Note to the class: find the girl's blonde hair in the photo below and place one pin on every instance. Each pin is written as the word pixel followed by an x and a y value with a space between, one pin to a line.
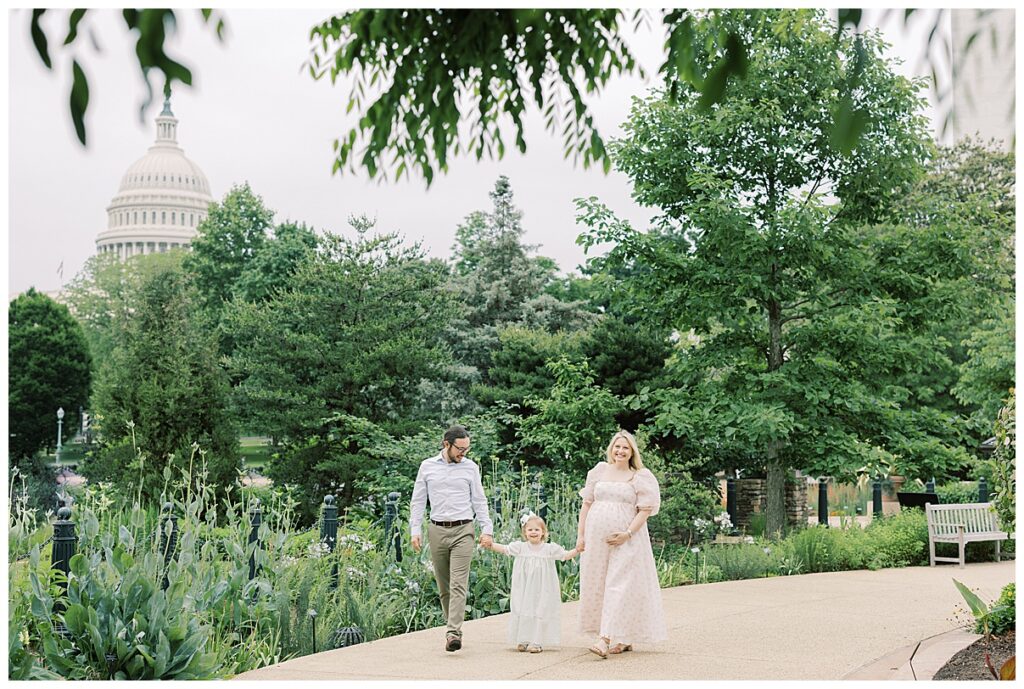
pixel 635 462
pixel 543 525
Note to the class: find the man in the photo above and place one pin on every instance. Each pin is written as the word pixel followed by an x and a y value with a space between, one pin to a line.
pixel 451 483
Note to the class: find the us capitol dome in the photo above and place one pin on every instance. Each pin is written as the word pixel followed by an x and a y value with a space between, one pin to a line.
pixel 162 199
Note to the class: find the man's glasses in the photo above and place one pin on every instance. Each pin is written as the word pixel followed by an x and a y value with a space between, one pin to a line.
pixel 461 450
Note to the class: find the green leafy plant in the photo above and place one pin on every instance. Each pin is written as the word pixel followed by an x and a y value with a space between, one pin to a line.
pixel 981 611
pixel 741 561
pixel 1003 615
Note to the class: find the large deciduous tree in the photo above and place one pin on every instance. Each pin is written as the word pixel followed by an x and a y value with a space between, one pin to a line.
pixel 105 293
pixel 48 367
pixel 785 339
pixel 228 240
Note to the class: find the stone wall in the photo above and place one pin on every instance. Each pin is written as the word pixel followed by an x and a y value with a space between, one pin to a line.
pixel 752 498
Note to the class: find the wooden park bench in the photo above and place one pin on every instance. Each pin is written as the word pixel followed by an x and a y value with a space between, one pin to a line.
pixel 961 524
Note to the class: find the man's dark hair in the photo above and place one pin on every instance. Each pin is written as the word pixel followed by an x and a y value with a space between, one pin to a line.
pixel 454 433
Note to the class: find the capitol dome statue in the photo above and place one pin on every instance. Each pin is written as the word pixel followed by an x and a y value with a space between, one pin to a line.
pixel 162 199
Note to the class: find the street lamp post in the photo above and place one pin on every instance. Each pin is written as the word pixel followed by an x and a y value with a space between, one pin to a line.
pixel 60 424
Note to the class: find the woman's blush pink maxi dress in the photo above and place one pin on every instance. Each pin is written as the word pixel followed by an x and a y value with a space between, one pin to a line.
pixel 620 599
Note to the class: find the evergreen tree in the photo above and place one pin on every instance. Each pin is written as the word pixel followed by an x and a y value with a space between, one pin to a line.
pixel 165 392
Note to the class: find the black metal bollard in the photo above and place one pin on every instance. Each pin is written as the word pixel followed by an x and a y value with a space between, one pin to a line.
pixel 394 532
pixel 64 545
pixel 730 499
pixel 390 510
pixel 329 525
pixel 982 490
pixel 930 486
pixel 329 533
pixel 255 519
pixel 876 498
pixel 168 541
pixel 823 501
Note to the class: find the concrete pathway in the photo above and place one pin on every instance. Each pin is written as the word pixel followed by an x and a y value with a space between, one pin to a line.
pixel 815 626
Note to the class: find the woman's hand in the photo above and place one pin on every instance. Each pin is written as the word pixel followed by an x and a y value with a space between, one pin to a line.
pixel 617 538
pixel 579 543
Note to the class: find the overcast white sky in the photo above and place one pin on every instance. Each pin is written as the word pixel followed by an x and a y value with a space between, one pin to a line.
pixel 254 115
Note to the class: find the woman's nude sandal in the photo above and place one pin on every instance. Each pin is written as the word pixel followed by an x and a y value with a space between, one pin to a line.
pixel 599 648
pixel 620 648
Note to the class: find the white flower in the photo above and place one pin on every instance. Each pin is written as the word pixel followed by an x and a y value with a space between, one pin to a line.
pixel 353 572
pixel 318 549
pixel 694 550
pixel 430 566
pixel 413 586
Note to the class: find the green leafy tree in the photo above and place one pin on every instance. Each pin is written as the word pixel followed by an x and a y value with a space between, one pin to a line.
pixel 227 242
pixel 573 422
pixel 988 370
pixel 164 392
pixel 48 367
pixel 1004 465
pixel 432 61
pixel 272 267
pixel 105 293
pixel 354 332
pixel 784 341
pixel 437 68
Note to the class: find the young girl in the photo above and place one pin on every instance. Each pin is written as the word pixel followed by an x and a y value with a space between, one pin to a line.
pixel 536 595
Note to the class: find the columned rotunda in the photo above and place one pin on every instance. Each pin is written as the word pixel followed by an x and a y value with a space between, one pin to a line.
pixel 162 199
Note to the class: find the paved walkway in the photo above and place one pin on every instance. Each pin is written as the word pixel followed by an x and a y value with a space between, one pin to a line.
pixel 815 626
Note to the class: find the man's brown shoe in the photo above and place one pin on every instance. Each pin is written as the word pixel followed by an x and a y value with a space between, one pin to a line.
pixel 454 643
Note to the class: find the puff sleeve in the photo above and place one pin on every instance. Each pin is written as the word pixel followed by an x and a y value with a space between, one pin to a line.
pixel 515 548
pixel 587 492
pixel 648 494
pixel 554 551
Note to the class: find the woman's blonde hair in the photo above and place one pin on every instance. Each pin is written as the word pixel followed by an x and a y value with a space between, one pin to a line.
pixel 635 462
pixel 535 517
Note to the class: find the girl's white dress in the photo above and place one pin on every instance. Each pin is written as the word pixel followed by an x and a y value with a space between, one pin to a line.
pixel 536 596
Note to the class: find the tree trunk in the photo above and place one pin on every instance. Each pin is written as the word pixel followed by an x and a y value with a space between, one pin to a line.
pixel 775 517
pixel 775 514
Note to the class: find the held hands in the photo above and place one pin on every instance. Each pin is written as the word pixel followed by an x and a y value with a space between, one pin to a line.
pixel 416 543
pixel 486 540
pixel 580 544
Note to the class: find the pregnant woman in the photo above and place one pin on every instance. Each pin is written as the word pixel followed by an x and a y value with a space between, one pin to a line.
pixel 620 601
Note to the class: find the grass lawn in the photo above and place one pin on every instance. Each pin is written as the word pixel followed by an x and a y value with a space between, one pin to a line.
pixel 255 452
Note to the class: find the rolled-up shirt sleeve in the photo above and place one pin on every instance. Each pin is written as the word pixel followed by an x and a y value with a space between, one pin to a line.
pixel 479 500
pixel 418 504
